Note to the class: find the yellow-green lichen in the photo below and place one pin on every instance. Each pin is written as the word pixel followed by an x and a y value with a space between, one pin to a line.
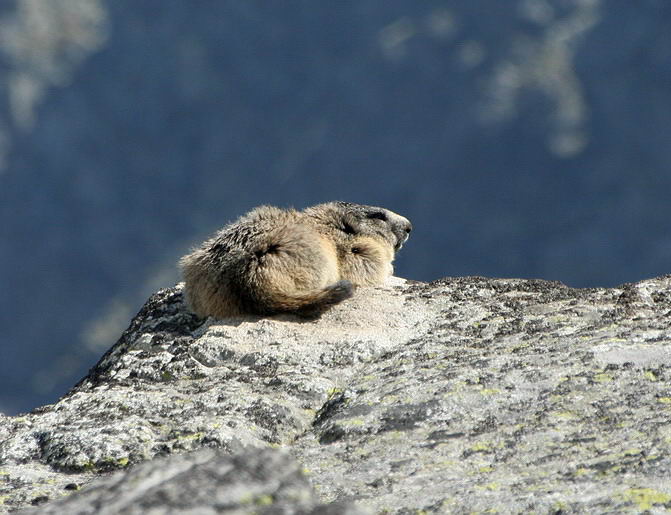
pixel 263 500
pixel 603 377
pixel 352 422
pixel 664 400
pixel 392 435
pixel 108 461
pixel 650 375
pixel 568 415
pixel 481 447
pixel 192 436
pixel 614 340
pixel 489 486
pixel 167 376
pixel 645 498
pixel 612 470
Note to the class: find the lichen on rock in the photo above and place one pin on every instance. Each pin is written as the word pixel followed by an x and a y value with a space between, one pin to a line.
pixel 462 394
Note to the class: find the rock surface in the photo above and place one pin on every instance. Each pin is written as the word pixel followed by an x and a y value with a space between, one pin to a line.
pixel 204 482
pixel 465 394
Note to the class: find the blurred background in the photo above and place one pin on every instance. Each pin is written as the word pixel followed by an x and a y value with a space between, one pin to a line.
pixel 526 138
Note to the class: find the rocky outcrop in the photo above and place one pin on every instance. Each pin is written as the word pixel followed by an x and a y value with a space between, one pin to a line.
pixel 465 394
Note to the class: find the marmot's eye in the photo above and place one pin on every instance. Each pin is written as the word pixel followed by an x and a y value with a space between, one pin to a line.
pixel 379 215
pixel 356 250
pixel 347 228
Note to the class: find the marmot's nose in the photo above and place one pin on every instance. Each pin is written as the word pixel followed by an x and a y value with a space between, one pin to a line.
pixel 405 227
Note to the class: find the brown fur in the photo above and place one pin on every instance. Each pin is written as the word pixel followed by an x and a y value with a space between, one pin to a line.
pixel 285 261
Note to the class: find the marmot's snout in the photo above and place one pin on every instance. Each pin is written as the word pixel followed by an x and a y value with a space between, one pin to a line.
pixel 401 227
pixel 376 220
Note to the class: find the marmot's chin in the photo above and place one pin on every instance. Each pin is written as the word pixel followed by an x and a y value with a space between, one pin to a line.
pixel 400 242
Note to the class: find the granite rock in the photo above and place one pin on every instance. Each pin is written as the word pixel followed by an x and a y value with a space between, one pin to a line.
pixel 465 394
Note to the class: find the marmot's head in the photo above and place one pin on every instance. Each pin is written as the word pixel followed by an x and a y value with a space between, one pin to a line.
pixel 356 219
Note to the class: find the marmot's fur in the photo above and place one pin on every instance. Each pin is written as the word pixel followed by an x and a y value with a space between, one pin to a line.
pixel 285 261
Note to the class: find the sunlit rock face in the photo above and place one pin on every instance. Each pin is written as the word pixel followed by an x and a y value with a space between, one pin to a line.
pixel 461 394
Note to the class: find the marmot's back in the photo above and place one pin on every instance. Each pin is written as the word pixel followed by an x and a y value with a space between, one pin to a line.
pixel 278 261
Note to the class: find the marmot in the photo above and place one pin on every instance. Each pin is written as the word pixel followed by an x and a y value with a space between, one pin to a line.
pixel 275 260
